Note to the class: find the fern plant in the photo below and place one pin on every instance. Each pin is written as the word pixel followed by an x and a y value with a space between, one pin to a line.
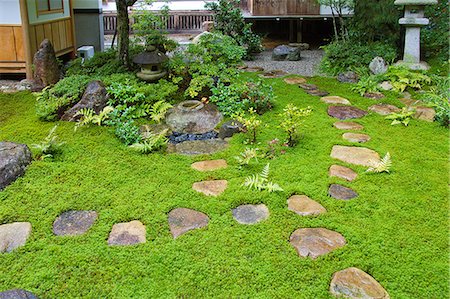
pixel 158 110
pixel 88 116
pixel 261 181
pixel 247 155
pixel 381 166
pixel 49 146
pixel 152 143
pixel 403 117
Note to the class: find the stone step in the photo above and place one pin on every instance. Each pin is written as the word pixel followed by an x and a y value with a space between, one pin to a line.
pixel 182 220
pixel 210 165
pixel 305 206
pixel 315 242
pixel 211 188
pixel 250 214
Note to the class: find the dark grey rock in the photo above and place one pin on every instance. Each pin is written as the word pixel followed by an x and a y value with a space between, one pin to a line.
pixel 250 214
pixel 348 77
pixel 288 53
pixel 230 128
pixel 307 86
pixel 318 93
pixel 14 159
pixel 72 223
pixel 341 192
pixel 46 70
pixel 345 112
pixel 17 294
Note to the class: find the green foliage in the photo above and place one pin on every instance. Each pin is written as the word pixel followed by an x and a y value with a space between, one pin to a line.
pixel 48 147
pixel 150 144
pixel 292 120
pixel 247 155
pixel 403 117
pixel 158 111
pixel 127 132
pixel 367 84
pixel 435 36
pixel 250 122
pixel 102 64
pixel 261 181
pixel 402 78
pixel 88 116
pixel 381 166
pixel 437 97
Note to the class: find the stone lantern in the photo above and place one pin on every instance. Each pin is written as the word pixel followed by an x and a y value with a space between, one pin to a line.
pixel 151 62
pixel 413 20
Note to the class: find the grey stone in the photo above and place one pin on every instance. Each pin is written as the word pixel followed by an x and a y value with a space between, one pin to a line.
pixel 378 66
pixel 342 172
pixel 356 137
pixel 250 214
pixel 386 85
pixel 305 206
pixel 314 242
pixel 355 155
pixel 273 74
pixel 318 93
pixel 307 86
pixel 14 159
pixel 288 53
pixel 198 147
pixel 229 128
pixel 348 125
pixel 72 223
pixel 211 188
pixel 17 294
pixel 46 70
pixel 182 220
pixel 14 235
pixel 345 112
pixel 127 233
pixel 348 77
pixel 340 192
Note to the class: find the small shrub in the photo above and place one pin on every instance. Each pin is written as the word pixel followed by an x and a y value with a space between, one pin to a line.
pixel 367 84
pixel 102 64
pixel 292 120
pixel 127 132
pixel 49 147
pixel 251 123
pixel 437 97
pixel 402 78
pixel 152 143
pixel 403 117
pixel 261 181
pixel 246 156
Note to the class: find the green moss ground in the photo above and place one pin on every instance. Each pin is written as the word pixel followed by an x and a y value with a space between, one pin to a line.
pixel 397 229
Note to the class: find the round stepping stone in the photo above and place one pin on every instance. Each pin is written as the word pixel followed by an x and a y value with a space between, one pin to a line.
pixel 307 86
pixel 305 206
pixel 425 113
pixel 295 80
pixel 341 192
pixel 17 294
pixel 14 235
pixel 127 233
pixel 355 137
pixel 211 188
pixel 374 95
pixel 355 283
pixel 335 100
pixel 319 93
pixel 182 220
pixel 209 165
pixel 250 214
pixel 72 223
pixel 345 112
pixel 348 125
pixel 314 242
pixel 355 155
pixel 384 109
pixel 342 172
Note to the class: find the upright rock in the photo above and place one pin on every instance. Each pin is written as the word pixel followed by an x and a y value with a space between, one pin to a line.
pixel 46 70
pixel 378 66
pixel 284 52
pixel 348 77
pixel 14 159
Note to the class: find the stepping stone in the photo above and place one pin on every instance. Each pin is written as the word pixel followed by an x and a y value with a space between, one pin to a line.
pixel 384 109
pixel 316 92
pixel 348 125
pixel 17 294
pixel 209 165
pixel 198 147
pixel 345 112
pixel 182 220
pixel 314 242
pixel 72 223
pixel 410 102
pixel 335 100
pixel 254 69
pixel 307 86
pixel 250 214
pixel 273 74
pixel 127 233
pixel 14 159
pixel 342 172
pixel 14 235
pixel 355 283
pixel 211 188
pixel 305 206
pixel 340 192
pixel 425 113
pixel 355 155
pixel 374 95
pixel 295 80
pixel 355 137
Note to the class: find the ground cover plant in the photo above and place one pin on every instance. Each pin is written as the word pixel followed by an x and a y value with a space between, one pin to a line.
pixel 396 228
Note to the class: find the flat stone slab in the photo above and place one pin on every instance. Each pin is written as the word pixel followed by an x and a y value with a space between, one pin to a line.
pixel 182 220
pixel 14 159
pixel 342 172
pixel 198 147
pixel 211 188
pixel 348 125
pixel 14 235
pixel 295 80
pixel 273 74
pixel 374 95
pixel 72 223
pixel 340 192
pixel 17 294
pixel 345 112
pixel 254 69
pixel 305 206
pixel 355 283
pixel 356 137
pixel 314 242
pixel 425 113
pixel 318 93
pixel 127 233
pixel 250 214
pixel 335 100
pixel 355 155
pixel 209 165
pixel 307 86
pixel 384 109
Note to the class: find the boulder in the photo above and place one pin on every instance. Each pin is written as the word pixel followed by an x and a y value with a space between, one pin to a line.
pixel 14 159
pixel 348 77
pixel 283 52
pixel 229 128
pixel 14 235
pixel 17 294
pixel 378 66
pixel 94 97
pixel 46 70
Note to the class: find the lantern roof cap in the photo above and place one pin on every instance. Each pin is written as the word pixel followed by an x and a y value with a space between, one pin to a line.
pixel 415 2
pixel 150 57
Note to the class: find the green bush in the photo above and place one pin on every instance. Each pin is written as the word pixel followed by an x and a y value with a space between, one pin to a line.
pixel 437 97
pixel 435 36
pixel 102 64
pixel 127 132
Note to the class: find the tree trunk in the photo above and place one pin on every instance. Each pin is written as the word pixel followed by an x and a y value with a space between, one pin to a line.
pixel 123 30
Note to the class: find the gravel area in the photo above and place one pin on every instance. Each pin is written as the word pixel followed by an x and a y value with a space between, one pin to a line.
pixel 307 66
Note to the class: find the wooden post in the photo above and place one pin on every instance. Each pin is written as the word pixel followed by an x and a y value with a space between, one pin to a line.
pixel 299 30
pixel 26 38
pixel 291 31
pixel 74 40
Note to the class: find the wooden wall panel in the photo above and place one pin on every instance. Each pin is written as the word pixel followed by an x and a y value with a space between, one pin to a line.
pixel 20 47
pixel 58 32
pixel 7 46
pixel 283 7
pixel 12 49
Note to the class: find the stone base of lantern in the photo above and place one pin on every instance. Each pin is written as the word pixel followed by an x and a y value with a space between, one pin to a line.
pixel 421 66
pixel 151 77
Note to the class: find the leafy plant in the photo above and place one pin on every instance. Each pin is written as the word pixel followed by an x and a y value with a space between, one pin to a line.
pixel 437 97
pixel 158 110
pixel 401 78
pixel 261 181
pixel 367 84
pixel 275 147
pixel 152 143
pixel 49 147
pixel 127 132
pixel 403 117
pixel 251 123
pixel 88 116
pixel 292 120
pixel 247 155
pixel 381 166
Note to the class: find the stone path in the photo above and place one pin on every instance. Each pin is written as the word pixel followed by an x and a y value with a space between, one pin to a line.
pixel 305 206
pixel 14 235
pixel 182 220
pixel 345 112
pixel 313 90
pixel 295 80
pixel 342 172
pixel 314 242
pixel 355 155
pixel 72 223
pixel 198 147
pixel 17 294
pixel 209 165
pixel 384 109
pixel 335 100
pixel 250 214
pixel 127 233
pixel 374 95
pixel 211 188
pixel 355 283
pixel 348 125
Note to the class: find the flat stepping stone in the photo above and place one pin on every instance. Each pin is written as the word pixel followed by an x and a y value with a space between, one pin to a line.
pixel 355 283
pixel 384 109
pixel 410 102
pixel 425 113
pixel 14 235
pixel 209 165
pixel 355 155
pixel 307 86
pixel 72 223
pixel 17 294
pixel 374 95
pixel 314 242
pixel 198 147
pixel 254 69
pixel 345 112
pixel 356 137
pixel 273 74
pixel 348 125
pixel 316 92
pixel 250 214
pixel 342 172
pixel 305 206
pixel 127 233
pixel 340 192
pixel 211 188
pixel 335 100
pixel 182 220
pixel 295 80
